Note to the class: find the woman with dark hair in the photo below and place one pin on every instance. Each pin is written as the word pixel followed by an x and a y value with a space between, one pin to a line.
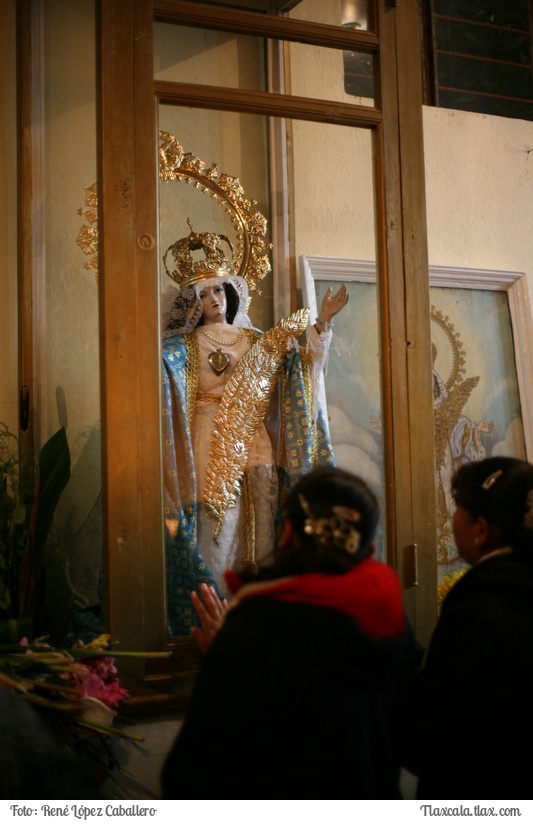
pixel 300 692
pixel 240 413
pixel 473 698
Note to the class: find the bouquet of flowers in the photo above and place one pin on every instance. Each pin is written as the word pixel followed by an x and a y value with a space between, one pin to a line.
pixel 77 690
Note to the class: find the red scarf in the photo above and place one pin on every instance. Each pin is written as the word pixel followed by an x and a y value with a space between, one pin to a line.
pixel 370 593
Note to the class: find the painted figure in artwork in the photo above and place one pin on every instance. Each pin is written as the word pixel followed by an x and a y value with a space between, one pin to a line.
pixel 458 439
pixel 240 417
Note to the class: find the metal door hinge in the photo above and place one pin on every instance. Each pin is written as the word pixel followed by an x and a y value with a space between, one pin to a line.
pixel 24 408
pixel 410 565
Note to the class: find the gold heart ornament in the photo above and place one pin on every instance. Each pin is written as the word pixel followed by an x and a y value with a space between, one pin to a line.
pixel 218 361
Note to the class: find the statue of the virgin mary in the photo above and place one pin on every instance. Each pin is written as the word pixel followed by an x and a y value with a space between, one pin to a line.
pixel 241 420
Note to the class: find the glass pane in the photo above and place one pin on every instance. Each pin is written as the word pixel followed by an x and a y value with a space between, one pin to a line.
pixel 482 57
pixel 343 76
pixel 69 371
pixel 338 227
pixel 513 15
pixel 237 144
pixel 485 104
pixel 184 54
pixel 353 391
pixel 333 191
pixel 331 74
pixel 326 220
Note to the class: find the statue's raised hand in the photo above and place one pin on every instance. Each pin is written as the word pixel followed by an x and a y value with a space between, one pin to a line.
pixel 332 305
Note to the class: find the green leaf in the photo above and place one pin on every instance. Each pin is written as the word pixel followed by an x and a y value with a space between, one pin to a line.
pixel 19 513
pixel 5 597
pixel 53 475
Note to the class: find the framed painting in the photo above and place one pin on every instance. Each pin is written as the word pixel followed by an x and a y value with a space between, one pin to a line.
pixel 482 375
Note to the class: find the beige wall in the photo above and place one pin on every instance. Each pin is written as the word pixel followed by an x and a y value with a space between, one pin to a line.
pixel 479 176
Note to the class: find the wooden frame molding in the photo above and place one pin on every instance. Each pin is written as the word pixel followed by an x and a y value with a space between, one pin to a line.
pixel 129 311
pixel 31 248
pixel 264 25
pixel 265 103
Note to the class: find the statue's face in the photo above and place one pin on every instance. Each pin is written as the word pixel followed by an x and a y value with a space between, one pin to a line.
pixel 214 303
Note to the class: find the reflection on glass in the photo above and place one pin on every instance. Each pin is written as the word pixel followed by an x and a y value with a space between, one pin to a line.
pixel 316 11
pixel 332 74
pixel 336 12
pixel 482 57
pixel 358 66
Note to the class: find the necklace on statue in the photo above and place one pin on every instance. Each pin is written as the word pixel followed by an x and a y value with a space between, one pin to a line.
pixel 219 360
pixel 212 338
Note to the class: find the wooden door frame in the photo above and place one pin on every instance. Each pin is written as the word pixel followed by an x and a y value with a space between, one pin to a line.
pixel 129 292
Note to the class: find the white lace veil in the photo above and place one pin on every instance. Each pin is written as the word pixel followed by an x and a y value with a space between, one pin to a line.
pixel 181 309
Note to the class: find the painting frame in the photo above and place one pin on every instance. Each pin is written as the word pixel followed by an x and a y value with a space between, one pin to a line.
pixel 507 354
pixel 513 283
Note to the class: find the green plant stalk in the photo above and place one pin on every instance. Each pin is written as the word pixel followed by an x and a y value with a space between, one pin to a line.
pixel 45 652
pixel 108 730
pixel 53 475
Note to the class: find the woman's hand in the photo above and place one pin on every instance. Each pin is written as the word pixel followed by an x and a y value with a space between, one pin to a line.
pixel 211 610
pixel 332 305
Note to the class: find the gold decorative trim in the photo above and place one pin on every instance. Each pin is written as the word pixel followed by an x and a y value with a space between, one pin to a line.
pixel 307 363
pixel 251 250
pixel 252 334
pixel 236 422
pixel 458 354
pixel 87 238
pixel 192 373
pixel 445 416
pixel 249 525
pixel 208 397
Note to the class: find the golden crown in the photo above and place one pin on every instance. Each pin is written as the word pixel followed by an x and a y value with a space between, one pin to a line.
pixel 188 270
pixel 250 258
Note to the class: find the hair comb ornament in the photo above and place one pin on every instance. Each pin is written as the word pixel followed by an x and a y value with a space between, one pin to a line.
pixel 491 480
pixel 337 531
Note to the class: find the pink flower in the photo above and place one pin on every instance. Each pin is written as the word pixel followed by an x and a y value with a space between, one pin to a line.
pixel 98 678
